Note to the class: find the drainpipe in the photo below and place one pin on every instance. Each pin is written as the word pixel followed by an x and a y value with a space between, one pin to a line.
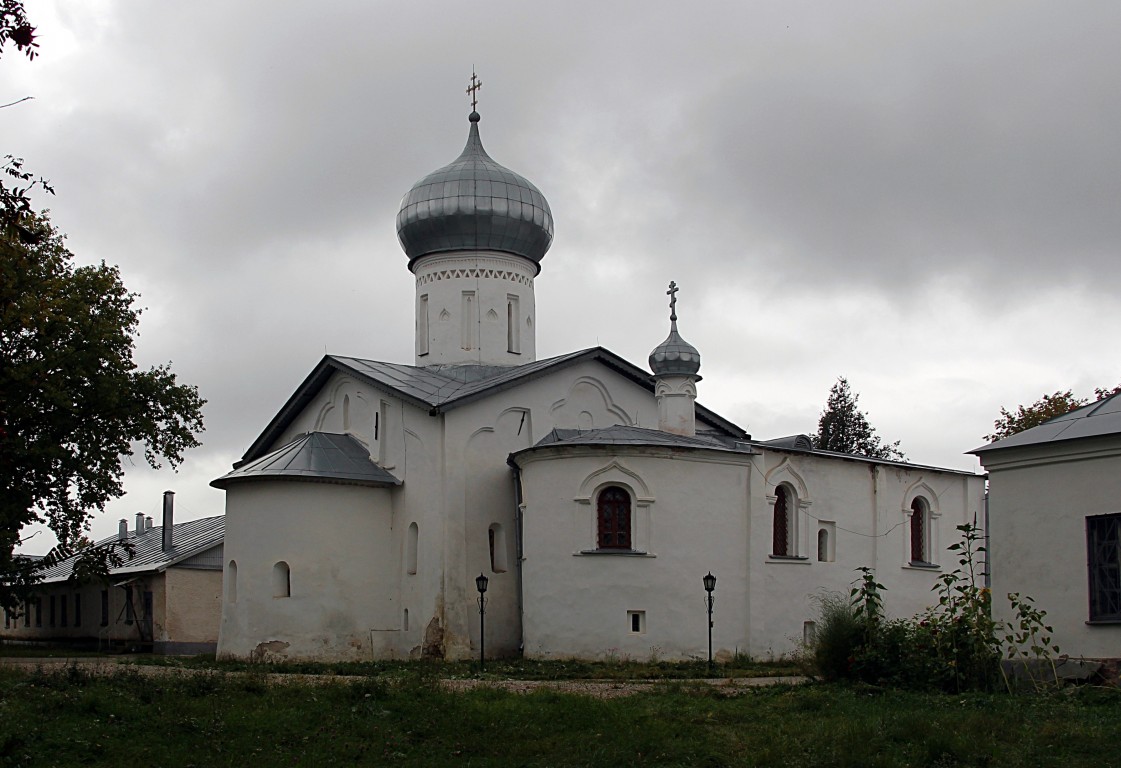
pixel 519 550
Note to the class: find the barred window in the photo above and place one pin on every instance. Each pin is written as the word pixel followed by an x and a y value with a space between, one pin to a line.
pixel 613 508
pixel 780 530
pixel 1103 545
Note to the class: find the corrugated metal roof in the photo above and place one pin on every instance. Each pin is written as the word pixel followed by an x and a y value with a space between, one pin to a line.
pixel 440 388
pixel 188 539
pixel 321 456
pixel 1095 420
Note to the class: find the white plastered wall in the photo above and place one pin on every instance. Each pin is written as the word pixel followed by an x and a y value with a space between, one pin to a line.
pixel 341 548
pixel 475 308
pixel 574 602
pixel 1039 499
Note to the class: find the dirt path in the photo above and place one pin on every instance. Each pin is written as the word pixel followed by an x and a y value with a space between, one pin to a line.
pixel 603 689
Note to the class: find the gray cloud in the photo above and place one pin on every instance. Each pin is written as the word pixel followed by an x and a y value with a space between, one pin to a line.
pixel 921 198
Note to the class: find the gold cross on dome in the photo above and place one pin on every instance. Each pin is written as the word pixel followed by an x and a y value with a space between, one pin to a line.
pixel 472 90
pixel 672 293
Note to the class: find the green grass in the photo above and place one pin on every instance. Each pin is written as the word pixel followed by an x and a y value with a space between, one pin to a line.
pixel 69 717
pixel 509 669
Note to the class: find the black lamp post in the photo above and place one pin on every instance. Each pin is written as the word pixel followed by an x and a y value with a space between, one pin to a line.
pixel 481 582
pixel 710 584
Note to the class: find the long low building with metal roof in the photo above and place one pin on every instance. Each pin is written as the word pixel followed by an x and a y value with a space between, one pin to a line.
pixel 165 596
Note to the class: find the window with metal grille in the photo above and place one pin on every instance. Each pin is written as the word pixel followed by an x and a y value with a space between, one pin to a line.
pixel 613 509
pixel 919 519
pixel 1103 545
pixel 780 545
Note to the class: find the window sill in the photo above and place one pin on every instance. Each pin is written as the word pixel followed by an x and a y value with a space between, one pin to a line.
pixel 1103 622
pixel 917 566
pixel 788 559
pixel 610 552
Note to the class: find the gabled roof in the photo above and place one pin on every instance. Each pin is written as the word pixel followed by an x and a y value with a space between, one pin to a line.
pixel 188 539
pixel 442 388
pixel 316 456
pixel 1095 420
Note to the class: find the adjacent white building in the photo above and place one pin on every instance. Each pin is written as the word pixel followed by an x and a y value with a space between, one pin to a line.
pixel 593 494
pixel 1055 525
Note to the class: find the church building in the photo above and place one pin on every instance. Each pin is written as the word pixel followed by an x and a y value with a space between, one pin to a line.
pixel 592 494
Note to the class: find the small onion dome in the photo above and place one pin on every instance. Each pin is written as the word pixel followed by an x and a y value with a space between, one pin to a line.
pixel 675 355
pixel 474 204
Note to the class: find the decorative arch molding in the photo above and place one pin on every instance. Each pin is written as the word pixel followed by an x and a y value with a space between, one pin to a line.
pixel 797 519
pixel 665 388
pixel 930 528
pixel 785 473
pixel 608 403
pixel 615 473
pixel 920 488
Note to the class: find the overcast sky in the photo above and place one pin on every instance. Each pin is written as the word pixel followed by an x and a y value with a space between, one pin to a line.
pixel 922 197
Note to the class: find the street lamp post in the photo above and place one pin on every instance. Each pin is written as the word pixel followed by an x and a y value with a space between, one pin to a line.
pixel 481 582
pixel 710 585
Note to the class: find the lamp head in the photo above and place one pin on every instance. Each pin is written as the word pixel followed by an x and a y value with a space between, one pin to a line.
pixel 710 582
pixel 481 582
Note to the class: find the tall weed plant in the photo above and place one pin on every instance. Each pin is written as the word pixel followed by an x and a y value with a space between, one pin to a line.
pixel 955 645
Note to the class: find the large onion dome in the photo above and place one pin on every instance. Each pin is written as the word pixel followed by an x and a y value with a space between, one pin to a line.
pixel 474 204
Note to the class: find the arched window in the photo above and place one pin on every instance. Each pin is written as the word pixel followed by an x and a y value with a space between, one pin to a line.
pixel 920 520
pixel 231 582
pixel 781 529
pixel 496 538
pixel 410 549
pixel 613 514
pixel 281 580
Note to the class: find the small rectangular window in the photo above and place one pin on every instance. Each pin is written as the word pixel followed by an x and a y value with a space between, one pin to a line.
pixel 637 621
pixel 50 612
pixel 38 612
pixel 77 610
pixel 104 607
pixel 63 615
pixel 27 613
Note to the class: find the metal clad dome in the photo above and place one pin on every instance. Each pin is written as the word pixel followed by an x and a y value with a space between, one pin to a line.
pixel 675 356
pixel 475 204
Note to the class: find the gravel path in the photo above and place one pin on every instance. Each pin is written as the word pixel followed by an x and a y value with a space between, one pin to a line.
pixel 603 689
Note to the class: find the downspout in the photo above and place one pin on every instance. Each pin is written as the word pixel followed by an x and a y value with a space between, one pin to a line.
pixel 519 550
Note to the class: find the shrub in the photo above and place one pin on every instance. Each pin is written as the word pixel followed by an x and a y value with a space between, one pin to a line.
pixel 839 633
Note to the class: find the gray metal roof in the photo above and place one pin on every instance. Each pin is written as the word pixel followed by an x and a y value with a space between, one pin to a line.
pixel 1095 420
pixel 188 539
pixel 633 436
pixel 801 442
pixel 441 388
pixel 316 456
pixel 475 204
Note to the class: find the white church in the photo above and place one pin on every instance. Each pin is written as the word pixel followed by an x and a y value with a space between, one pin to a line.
pixel 594 495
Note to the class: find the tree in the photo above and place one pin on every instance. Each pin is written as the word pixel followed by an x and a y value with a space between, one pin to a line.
pixel 72 401
pixel 844 428
pixel 15 28
pixel 1044 409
